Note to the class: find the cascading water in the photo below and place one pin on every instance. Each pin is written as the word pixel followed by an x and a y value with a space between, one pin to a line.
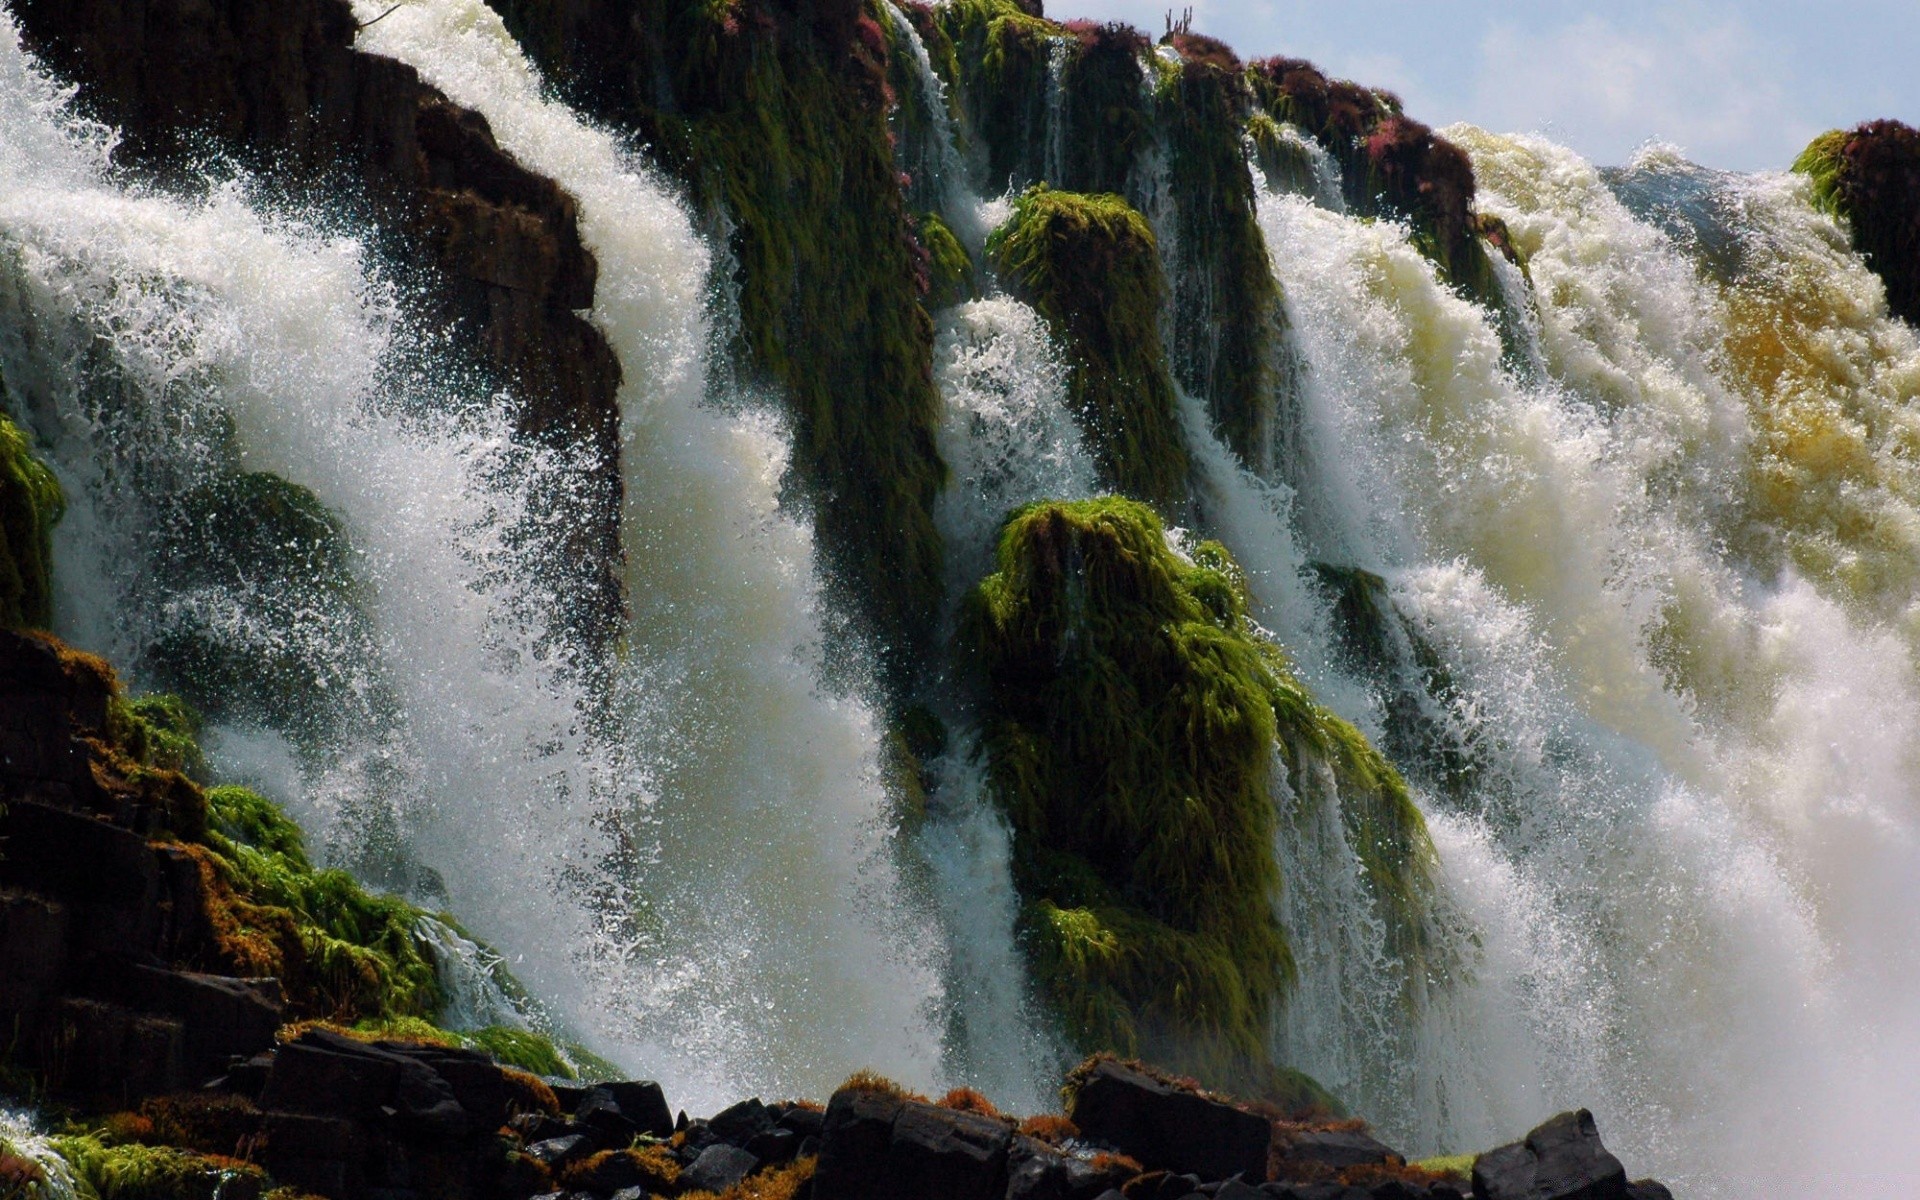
pixel 763 938
pixel 621 861
pixel 1675 915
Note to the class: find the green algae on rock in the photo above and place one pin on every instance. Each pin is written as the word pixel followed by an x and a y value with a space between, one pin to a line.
pixel 1091 267
pixel 30 504
pixel 1140 729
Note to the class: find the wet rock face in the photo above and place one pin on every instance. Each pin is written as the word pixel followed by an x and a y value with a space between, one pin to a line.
pixel 277 84
pixel 1171 1128
pixel 1561 1160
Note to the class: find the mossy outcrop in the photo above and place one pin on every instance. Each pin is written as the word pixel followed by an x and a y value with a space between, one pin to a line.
pixel 1091 267
pixel 1869 176
pixel 30 504
pixel 774 113
pixel 1142 732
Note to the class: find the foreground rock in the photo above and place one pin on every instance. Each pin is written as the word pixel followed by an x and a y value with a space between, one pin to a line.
pixel 1168 1127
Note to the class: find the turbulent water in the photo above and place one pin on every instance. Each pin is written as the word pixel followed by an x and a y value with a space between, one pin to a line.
pixel 1655 560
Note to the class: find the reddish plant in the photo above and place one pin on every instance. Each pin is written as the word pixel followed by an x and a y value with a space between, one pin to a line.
pixel 1210 51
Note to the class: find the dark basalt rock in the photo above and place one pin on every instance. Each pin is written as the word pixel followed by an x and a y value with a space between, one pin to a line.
pixel 878 1146
pixel 645 1104
pixel 1648 1189
pixel 1560 1160
pixel 1336 1148
pixel 1169 1127
pixel 718 1168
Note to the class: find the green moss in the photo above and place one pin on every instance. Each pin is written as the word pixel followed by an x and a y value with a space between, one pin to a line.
pixel 1108 116
pixel 30 504
pixel 1459 1166
pixel 1285 165
pixel 1134 716
pixel 1822 162
pixel 1002 55
pixel 159 731
pixel 1228 321
pixel 247 817
pixel 1091 267
pixel 1869 178
pixel 950 277
pixel 136 1172
pixel 520 1048
pixel 342 952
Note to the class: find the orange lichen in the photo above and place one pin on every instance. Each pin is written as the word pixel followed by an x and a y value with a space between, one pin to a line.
pixel 1050 1128
pixel 780 1183
pixel 527 1092
pixel 967 1100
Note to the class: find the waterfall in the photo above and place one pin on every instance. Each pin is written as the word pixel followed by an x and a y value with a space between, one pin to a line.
pixel 762 940
pixel 621 862
pixel 1651 637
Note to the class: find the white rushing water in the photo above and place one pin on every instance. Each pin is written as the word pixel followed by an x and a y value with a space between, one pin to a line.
pixel 1683 664
pixel 700 881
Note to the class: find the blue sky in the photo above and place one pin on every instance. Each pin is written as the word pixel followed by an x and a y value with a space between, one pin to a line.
pixel 1741 86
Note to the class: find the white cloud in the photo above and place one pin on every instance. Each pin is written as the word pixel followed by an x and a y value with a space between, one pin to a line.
pixel 1710 86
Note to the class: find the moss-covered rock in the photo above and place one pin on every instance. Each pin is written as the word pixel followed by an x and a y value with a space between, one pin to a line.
pixel 1227 319
pixel 1391 165
pixel 1869 176
pixel 1141 730
pixel 1091 267
pixel 30 503
pixel 131 1171
pixel 775 116
pixel 950 274
pixel 1006 57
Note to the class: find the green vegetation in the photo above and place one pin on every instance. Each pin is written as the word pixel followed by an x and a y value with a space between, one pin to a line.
pixel 1090 266
pixel 131 1171
pixel 1869 177
pixel 1823 162
pixel 30 504
pixel 1134 713
pixel 1227 318
pixel 1002 52
pixel 950 276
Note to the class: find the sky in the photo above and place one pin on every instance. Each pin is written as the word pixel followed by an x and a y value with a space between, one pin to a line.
pixel 1739 86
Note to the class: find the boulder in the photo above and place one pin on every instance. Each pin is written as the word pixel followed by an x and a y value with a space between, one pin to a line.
pixel 328 1074
pixel 645 1104
pixel 1648 1189
pixel 718 1168
pixel 1336 1148
pixel 602 1115
pixel 938 1152
pixel 741 1123
pixel 223 1017
pixel 854 1140
pixel 879 1146
pixel 1169 1127
pixel 1560 1160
